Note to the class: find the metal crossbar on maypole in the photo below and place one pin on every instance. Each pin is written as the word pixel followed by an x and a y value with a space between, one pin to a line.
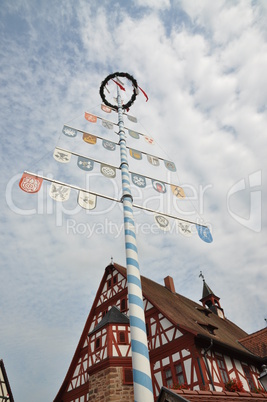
pixel 140 358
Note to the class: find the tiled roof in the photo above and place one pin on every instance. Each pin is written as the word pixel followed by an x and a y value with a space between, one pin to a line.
pixel 190 316
pixel 256 342
pixel 214 396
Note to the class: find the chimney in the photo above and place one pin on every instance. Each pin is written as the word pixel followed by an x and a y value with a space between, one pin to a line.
pixel 169 284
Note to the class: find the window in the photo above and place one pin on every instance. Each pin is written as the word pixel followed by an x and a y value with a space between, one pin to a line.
pixel 168 378
pixel 123 305
pixel 222 368
pixel 249 377
pixel 127 376
pixel 122 337
pixel 147 329
pixel 179 374
pixel 112 281
pixel 97 343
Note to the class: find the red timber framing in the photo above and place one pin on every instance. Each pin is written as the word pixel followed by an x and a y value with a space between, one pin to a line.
pixel 5 390
pixel 181 346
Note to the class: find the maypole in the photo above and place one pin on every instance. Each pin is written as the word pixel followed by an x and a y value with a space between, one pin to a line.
pixel 59 191
pixel 140 358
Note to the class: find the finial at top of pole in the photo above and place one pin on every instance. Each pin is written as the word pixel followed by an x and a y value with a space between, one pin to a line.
pixel 115 78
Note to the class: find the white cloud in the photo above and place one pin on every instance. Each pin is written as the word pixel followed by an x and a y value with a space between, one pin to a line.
pixel 205 81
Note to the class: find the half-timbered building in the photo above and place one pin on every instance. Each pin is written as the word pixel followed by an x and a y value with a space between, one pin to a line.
pixel 191 345
pixel 5 390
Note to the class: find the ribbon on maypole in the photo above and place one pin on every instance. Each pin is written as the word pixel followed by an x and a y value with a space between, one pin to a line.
pixel 140 357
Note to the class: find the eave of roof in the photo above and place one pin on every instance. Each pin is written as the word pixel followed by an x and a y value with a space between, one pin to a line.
pixel 223 396
pixel 256 343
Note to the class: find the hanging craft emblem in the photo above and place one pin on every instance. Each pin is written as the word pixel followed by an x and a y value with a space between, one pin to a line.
pixel 134 134
pixel 162 222
pixel 132 118
pixel 107 124
pixel 85 163
pixel 59 192
pixel 204 233
pixel 159 186
pixel 110 146
pixel 30 184
pixel 149 140
pixel 184 228
pixel 136 154
pixel 178 191
pixel 69 132
pixel 106 108
pixel 89 138
pixel 170 166
pixel 90 117
pixel 62 156
pixel 108 171
pixel 86 200
pixel 138 180
pixel 153 160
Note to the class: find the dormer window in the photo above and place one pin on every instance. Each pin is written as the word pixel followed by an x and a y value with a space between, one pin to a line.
pixel 209 328
pixel 203 310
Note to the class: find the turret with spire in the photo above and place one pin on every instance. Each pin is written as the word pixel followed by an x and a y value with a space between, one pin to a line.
pixel 210 300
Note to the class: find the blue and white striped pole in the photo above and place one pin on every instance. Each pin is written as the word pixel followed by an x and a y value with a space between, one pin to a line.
pixel 143 391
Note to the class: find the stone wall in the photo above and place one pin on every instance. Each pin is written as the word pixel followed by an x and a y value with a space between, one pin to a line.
pixel 107 386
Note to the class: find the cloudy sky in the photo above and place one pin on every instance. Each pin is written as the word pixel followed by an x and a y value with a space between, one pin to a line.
pixel 203 66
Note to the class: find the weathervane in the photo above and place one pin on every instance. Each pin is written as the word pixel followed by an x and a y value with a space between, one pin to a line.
pixel 59 191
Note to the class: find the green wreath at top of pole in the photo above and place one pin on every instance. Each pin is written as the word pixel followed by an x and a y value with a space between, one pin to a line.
pixel 113 76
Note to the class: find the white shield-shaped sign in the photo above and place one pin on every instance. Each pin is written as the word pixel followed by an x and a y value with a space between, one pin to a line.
pixel 159 186
pixel 30 184
pixel 132 118
pixel 59 192
pixel 184 228
pixel 107 124
pixel 110 146
pixel 86 200
pixel 69 132
pixel 162 222
pixel 61 156
pixel 153 160
pixel 108 171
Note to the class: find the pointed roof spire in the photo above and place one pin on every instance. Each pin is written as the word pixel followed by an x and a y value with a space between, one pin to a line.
pixel 209 299
pixel 113 316
pixel 206 289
